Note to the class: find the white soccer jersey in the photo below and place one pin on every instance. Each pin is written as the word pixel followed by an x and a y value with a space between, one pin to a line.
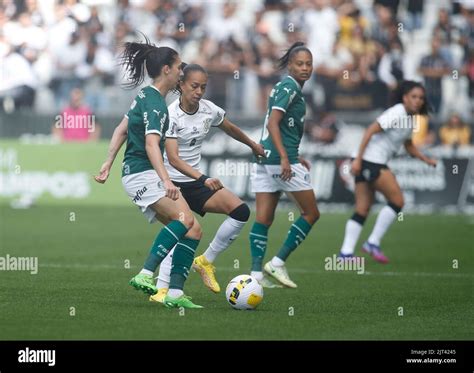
pixel 190 131
pixel 397 127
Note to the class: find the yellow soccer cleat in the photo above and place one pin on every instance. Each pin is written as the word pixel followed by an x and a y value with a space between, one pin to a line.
pixel 206 270
pixel 160 296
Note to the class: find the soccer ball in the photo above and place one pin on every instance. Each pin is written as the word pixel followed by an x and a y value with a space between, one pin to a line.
pixel 244 292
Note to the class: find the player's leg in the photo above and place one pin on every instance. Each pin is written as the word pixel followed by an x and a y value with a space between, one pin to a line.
pixel 178 219
pixel 221 202
pixel 387 184
pixel 364 198
pixel 306 202
pixel 266 204
pixel 181 263
pixel 176 214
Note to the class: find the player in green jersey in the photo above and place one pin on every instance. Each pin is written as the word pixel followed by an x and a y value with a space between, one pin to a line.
pixel 283 170
pixel 144 175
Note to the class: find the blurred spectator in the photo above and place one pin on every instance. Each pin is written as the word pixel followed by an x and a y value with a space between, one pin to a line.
pixel 76 122
pixel 455 132
pixel 423 133
pixel 68 60
pixel 264 67
pixel 390 69
pixel 433 67
pixel 324 130
pixel 18 84
pixel 414 15
pixel 390 4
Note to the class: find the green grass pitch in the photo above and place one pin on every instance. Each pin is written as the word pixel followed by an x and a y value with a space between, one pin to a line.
pixel 81 291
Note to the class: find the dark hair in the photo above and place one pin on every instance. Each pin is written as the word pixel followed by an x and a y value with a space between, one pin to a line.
pixel 286 58
pixel 405 87
pixel 138 56
pixel 188 69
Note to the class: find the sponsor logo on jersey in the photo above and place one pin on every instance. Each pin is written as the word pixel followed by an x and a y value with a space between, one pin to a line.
pixel 278 176
pixel 139 194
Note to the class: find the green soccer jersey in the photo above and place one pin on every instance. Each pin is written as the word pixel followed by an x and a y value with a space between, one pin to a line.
pixel 286 96
pixel 148 114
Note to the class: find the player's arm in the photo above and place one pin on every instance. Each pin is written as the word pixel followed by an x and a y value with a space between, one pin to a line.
pixel 236 133
pixel 414 152
pixel 152 147
pixel 118 138
pixel 369 132
pixel 172 152
pixel 273 126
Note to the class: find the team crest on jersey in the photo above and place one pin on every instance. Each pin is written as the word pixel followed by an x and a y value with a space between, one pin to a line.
pixel 195 130
pixel 207 124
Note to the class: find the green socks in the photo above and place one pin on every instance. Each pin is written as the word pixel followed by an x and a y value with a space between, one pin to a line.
pixel 182 261
pixel 258 245
pixel 164 242
pixel 297 233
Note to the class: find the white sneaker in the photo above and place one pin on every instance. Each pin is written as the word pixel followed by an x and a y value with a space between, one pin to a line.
pixel 266 282
pixel 280 273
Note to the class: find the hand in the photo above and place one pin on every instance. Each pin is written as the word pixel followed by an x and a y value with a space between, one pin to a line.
pixel 285 169
pixel 305 163
pixel 172 190
pixel 432 162
pixel 213 183
pixel 258 150
pixel 356 166
pixel 103 173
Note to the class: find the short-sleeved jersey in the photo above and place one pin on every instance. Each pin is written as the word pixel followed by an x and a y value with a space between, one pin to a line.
pixel 148 114
pixel 285 96
pixel 190 131
pixel 397 127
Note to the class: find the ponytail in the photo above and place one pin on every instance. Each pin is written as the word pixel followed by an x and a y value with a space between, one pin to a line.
pixel 299 46
pixel 138 56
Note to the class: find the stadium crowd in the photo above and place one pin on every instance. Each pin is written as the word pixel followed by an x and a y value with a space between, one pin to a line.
pixel 49 48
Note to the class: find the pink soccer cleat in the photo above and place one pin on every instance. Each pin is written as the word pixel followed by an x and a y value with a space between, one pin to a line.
pixel 375 252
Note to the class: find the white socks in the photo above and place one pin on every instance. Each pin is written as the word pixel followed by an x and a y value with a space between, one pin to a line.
pixel 257 275
pixel 351 236
pixel 165 271
pixel 225 235
pixel 277 262
pixel 175 293
pixel 385 218
pixel 146 272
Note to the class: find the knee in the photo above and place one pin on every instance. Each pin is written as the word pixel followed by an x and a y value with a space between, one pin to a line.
pixel 240 213
pixel 195 232
pixel 188 220
pixel 265 220
pixel 312 216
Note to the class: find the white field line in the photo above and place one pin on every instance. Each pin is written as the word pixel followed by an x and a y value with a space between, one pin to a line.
pixel 292 270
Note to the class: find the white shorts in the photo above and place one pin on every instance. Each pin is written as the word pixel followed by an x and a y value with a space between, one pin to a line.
pixel 266 179
pixel 144 188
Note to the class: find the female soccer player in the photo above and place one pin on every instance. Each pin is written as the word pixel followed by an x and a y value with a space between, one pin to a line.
pixel 381 141
pixel 144 175
pixel 283 170
pixel 191 118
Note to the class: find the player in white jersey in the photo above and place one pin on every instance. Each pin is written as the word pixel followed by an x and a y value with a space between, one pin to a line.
pixel 380 142
pixel 191 118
